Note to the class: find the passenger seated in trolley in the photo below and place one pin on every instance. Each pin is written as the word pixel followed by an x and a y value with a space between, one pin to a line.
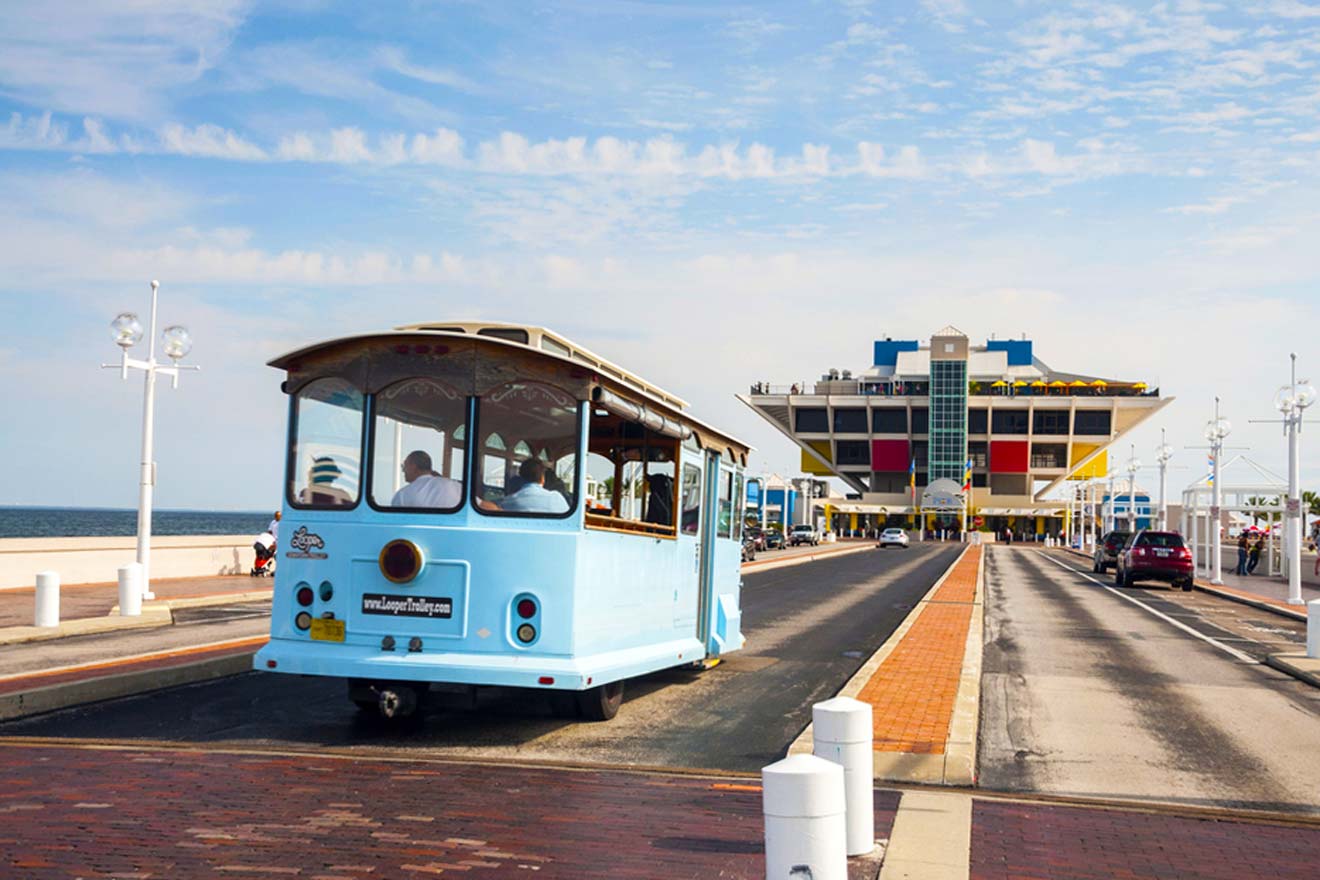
pixel 426 488
pixel 533 496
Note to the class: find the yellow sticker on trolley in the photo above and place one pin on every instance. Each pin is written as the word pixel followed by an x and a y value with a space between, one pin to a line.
pixel 328 630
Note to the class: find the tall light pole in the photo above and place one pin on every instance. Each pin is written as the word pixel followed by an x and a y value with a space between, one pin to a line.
pixel 1292 399
pixel 1133 466
pixel 1162 455
pixel 176 343
pixel 1109 505
pixel 1215 431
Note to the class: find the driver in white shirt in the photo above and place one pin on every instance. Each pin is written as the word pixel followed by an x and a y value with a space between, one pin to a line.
pixel 425 487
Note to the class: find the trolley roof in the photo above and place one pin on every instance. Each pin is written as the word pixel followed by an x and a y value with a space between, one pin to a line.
pixel 542 342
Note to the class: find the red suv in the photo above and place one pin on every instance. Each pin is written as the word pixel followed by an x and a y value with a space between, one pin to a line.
pixel 1154 556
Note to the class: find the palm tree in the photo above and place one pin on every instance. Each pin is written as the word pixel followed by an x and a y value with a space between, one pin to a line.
pixel 1311 502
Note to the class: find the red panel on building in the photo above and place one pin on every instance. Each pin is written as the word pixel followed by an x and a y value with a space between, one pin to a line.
pixel 1009 456
pixel 890 455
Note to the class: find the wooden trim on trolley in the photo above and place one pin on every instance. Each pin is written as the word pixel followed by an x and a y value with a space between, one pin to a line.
pixel 603 523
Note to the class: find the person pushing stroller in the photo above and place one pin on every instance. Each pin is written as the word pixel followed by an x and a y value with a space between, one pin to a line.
pixel 264 547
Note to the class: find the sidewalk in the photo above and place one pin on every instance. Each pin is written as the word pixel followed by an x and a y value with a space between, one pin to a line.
pixel 924 684
pixel 84 601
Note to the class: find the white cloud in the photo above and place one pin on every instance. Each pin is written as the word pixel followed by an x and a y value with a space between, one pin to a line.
pixel 117 60
pixel 209 141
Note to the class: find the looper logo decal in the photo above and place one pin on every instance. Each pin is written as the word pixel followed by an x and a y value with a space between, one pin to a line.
pixel 304 543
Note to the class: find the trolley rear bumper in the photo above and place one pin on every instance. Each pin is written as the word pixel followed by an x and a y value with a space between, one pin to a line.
pixel 297 657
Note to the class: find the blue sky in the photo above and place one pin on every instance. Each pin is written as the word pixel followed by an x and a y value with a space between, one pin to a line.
pixel 710 195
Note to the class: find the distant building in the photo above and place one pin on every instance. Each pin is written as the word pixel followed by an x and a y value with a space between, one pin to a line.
pixel 921 413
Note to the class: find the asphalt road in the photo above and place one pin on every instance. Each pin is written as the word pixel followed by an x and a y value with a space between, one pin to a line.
pixel 1086 692
pixel 809 628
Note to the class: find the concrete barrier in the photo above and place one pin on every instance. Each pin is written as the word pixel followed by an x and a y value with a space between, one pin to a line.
pixel 96 560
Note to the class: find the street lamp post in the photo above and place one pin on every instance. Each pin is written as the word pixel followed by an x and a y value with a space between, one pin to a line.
pixel 1291 400
pixel 176 343
pixel 1109 505
pixel 1215 431
pixel 1133 466
pixel 1162 455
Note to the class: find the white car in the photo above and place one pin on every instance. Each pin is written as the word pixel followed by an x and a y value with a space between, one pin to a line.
pixel 893 538
pixel 803 533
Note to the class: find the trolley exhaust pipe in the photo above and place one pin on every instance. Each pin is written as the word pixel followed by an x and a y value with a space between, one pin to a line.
pixel 397 702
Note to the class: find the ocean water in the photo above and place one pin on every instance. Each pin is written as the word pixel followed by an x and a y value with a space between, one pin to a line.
pixel 52 522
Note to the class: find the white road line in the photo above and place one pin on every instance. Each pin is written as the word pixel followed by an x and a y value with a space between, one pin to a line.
pixel 1231 651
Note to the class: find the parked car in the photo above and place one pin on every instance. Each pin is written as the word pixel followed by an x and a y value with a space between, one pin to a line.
pixel 748 547
pixel 803 533
pixel 1154 556
pixel 893 538
pixel 1106 550
pixel 774 540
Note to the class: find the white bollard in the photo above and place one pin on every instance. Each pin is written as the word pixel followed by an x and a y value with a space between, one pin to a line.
pixel 842 734
pixel 1313 629
pixel 130 590
pixel 47 610
pixel 805 830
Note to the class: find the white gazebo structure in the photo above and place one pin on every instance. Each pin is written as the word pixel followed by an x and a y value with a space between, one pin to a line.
pixel 1265 496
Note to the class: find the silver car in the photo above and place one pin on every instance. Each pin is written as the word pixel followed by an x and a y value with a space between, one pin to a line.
pixel 893 538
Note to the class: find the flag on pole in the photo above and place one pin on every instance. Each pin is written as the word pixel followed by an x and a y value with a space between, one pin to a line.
pixel 912 476
pixel 1210 460
pixel 967 476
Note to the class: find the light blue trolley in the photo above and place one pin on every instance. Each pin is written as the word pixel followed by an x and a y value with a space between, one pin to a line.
pixel 480 504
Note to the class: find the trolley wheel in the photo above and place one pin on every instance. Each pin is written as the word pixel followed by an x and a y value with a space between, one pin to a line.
pixel 601 703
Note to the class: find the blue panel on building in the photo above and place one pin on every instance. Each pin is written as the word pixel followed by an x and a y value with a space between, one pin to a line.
pixel 1019 350
pixel 886 350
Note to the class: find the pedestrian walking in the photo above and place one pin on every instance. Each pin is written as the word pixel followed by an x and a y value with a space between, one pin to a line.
pixel 1253 555
pixel 1242 554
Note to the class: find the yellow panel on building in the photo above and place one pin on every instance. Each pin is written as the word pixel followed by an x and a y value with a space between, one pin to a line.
pixel 809 463
pixel 1096 468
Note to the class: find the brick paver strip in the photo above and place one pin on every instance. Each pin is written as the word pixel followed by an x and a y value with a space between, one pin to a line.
pixel 912 694
pixel 174 815
pixel 1011 840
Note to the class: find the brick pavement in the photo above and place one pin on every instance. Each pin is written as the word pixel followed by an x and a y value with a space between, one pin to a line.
pixel 1015 841
pixel 913 692
pixel 176 815
pixel 96 600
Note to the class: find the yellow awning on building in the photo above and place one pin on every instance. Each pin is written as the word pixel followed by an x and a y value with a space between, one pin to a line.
pixel 999 383
pixel 1058 383
pixel 1100 383
pixel 1077 383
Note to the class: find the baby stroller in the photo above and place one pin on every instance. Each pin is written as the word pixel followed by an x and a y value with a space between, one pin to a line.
pixel 265 549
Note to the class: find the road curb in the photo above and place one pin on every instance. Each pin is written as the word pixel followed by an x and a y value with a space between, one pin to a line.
pixel 756 567
pixel 957 766
pixel 82 626
pixel 123 684
pixel 1243 600
pixel 1298 665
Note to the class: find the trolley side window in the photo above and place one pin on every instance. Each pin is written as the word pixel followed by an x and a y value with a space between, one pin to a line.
pixel 325 453
pixel 691 499
pixel 631 477
pixel 724 515
pixel 525 449
pixel 418 449
pixel 739 506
